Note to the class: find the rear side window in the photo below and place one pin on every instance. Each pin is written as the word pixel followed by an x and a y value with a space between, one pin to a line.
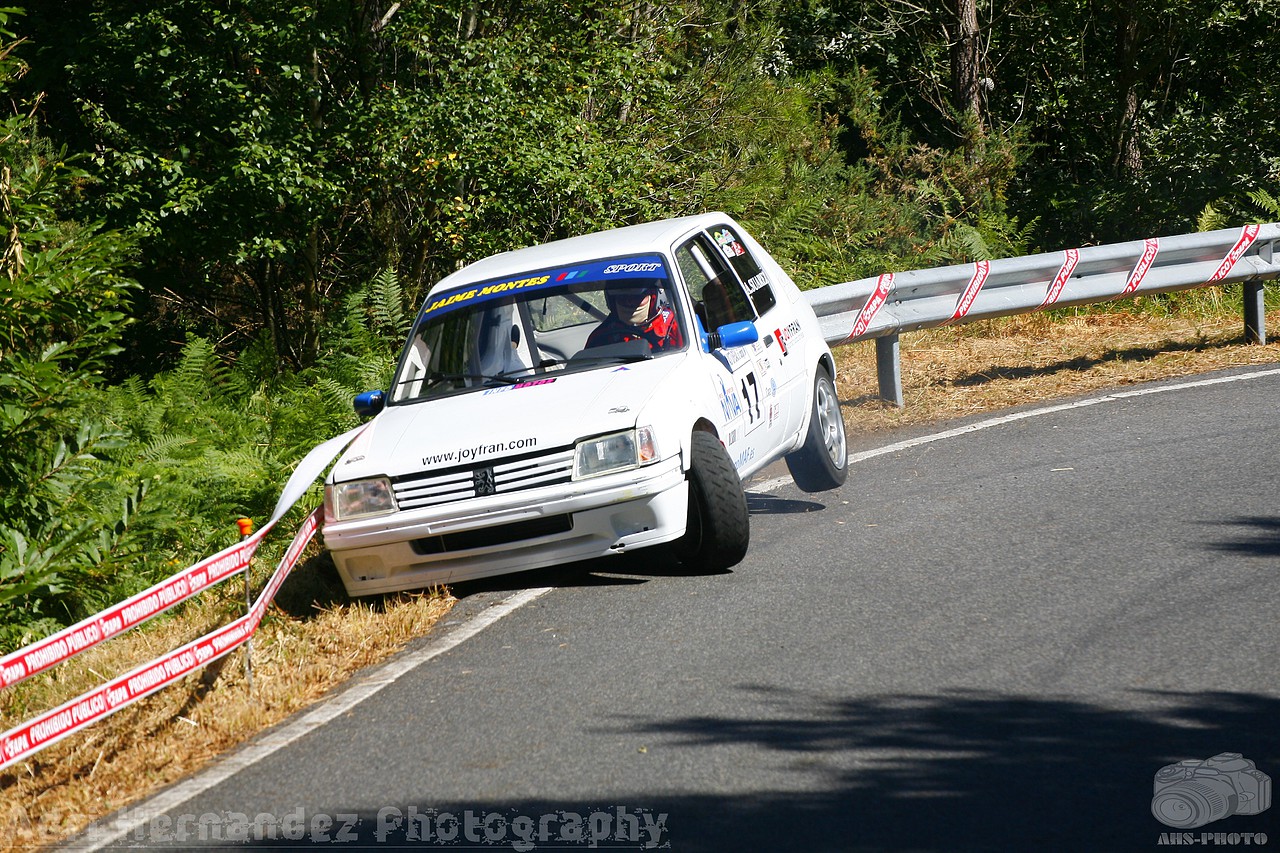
pixel 753 278
pixel 717 294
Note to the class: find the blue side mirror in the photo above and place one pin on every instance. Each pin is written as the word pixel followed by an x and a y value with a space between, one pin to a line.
pixel 737 334
pixel 369 403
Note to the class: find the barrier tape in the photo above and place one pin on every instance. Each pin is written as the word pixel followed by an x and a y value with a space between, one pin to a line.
pixel 168 593
pixel 52 726
pixel 129 613
pixel 1248 234
pixel 67 719
pixel 981 270
pixel 881 295
pixel 1072 257
pixel 1151 247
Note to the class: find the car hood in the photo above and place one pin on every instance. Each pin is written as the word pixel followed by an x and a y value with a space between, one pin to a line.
pixel 542 414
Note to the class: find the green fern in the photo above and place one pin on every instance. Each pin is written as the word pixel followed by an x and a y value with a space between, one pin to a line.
pixel 1211 219
pixel 1267 203
pixel 199 371
pixel 334 393
pixel 61 548
pixel 386 304
pixel 1262 205
pixel 163 448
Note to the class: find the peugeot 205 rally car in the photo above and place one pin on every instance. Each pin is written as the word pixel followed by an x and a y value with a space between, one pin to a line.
pixel 583 398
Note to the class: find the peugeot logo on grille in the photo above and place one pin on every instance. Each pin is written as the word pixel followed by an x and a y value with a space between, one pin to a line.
pixel 482 479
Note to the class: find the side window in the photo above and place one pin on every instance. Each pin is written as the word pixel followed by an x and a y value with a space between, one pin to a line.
pixel 717 296
pixel 739 257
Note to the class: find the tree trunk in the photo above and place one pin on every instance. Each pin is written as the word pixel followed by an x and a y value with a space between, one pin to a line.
pixel 11 259
pixel 472 22
pixel 966 62
pixel 1127 158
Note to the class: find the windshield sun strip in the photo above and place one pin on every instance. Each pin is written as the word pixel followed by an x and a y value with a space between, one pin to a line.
pixel 649 265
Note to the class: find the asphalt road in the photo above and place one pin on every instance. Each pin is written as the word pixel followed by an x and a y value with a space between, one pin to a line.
pixel 990 641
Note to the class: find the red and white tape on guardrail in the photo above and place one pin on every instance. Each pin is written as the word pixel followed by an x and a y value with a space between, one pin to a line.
pixel 1071 257
pixel 873 305
pixel 1248 234
pixel 1150 248
pixel 69 718
pixel 48 728
pixel 981 270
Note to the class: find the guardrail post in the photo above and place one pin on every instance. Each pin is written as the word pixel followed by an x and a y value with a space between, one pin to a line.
pixel 889 369
pixel 1255 326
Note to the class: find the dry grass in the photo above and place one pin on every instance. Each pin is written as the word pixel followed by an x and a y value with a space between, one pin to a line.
pixel 303 650
pixel 997 364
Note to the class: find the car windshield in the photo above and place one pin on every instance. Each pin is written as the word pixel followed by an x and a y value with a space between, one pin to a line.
pixel 530 327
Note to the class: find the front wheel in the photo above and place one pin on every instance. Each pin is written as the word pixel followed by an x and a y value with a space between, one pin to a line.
pixel 718 528
pixel 820 464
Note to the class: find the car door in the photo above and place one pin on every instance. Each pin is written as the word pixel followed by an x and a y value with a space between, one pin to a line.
pixel 752 382
pixel 778 326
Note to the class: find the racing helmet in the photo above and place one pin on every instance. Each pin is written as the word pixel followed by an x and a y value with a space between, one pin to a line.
pixel 630 292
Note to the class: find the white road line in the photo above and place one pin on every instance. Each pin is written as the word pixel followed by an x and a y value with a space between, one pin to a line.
pixel 112 829
pixel 779 482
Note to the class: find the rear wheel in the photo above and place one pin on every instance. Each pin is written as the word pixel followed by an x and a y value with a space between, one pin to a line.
pixel 718 529
pixel 821 463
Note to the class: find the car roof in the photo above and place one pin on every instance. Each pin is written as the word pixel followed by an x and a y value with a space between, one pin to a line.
pixel 630 240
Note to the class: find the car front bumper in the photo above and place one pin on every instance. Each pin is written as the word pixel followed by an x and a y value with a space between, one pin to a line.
pixel 511 533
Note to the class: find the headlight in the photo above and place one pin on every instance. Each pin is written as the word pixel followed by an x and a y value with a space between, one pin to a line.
pixel 360 498
pixel 617 452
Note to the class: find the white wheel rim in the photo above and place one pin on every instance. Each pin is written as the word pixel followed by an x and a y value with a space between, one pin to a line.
pixel 830 421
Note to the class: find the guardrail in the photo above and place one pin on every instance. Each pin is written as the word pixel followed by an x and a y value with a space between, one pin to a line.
pixel 48 728
pixel 882 308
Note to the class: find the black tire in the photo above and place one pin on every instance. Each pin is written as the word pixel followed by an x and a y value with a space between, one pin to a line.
pixel 821 463
pixel 719 528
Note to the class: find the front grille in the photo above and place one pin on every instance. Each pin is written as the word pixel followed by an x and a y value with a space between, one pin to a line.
pixel 501 534
pixel 459 483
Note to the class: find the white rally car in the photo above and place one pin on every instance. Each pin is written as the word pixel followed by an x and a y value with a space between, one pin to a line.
pixel 583 398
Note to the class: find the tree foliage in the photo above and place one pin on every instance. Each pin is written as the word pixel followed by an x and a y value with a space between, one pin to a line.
pixel 64 519
pixel 1128 118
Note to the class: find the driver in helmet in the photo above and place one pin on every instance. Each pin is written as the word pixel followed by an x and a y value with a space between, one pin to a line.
pixel 634 314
